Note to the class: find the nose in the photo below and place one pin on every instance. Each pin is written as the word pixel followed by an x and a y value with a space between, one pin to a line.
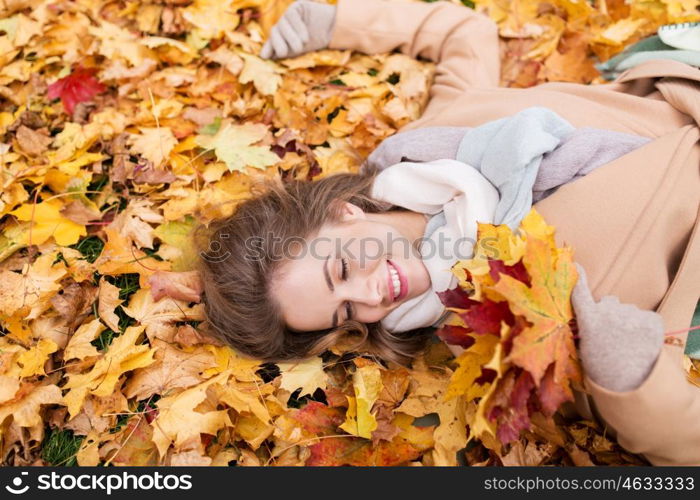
pixel 365 290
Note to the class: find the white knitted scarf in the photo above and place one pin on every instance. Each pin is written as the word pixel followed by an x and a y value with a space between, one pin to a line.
pixel 466 197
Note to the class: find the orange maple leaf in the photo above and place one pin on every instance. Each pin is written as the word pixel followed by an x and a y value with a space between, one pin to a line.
pixel 546 305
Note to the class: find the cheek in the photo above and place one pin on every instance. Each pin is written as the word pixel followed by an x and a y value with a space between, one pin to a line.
pixel 418 276
pixel 422 276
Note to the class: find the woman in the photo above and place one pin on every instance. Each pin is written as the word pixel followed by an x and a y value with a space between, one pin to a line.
pixel 367 252
pixel 632 223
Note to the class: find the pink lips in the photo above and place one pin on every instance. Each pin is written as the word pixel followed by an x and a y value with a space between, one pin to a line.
pixel 402 281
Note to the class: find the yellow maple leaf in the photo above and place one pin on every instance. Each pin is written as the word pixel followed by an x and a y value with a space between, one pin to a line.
pixel 451 435
pixel 619 32
pixel 482 427
pixel 420 437
pixel 178 245
pixel 305 375
pixel 232 144
pixel 154 143
pixel 470 363
pixel 245 398
pixel 253 430
pixel 119 42
pixel 45 221
pixel 242 369
pixel 33 360
pixel 108 301
pixel 211 18
pixel 31 290
pixel 79 345
pixel 26 412
pixel 426 388
pixel 120 256
pixel 270 11
pixel 69 141
pixel 123 355
pixel 79 268
pixel 174 368
pixel 159 317
pixel 178 422
pixel 337 158
pixel 265 75
pixel 88 453
pixel 12 196
pixel 329 58
pixel 367 384
pixel 159 41
pixel 495 242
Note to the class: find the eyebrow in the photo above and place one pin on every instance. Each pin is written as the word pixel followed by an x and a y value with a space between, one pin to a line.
pixel 329 282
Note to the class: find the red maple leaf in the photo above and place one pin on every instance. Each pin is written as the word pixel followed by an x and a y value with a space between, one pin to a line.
pixel 317 418
pixel 456 335
pixel 456 298
pixel 79 86
pixel 487 376
pixel 485 317
pixel 554 392
pixel 517 271
pixel 510 407
pixel 337 451
pixel 519 324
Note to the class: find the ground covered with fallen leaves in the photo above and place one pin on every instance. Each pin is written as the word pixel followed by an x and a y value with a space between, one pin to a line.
pixel 126 123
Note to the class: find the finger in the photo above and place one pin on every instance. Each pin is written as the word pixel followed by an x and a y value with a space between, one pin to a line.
pixel 376 160
pixel 278 43
pixel 297 22
pixel 266 51
pixel 291 37
pixel 581 295
pixel 655 321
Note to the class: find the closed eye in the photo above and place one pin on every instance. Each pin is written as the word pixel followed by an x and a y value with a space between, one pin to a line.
pixel 344 277
pixel 344 272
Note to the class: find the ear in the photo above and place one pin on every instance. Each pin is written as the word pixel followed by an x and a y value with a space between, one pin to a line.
pixel 349 212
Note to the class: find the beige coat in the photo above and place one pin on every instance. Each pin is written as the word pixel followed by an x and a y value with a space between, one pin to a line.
pixel 633 223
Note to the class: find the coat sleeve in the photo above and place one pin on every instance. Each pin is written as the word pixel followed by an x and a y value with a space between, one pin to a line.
pixel 462 42
pixel 660 419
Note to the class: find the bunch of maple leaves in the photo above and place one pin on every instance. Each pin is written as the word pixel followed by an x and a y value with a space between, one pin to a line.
pixel 514 320
pixel 124 125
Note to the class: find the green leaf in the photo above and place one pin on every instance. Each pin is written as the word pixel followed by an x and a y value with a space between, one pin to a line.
pixel 212 128
pixel 233 145
pixel 178 234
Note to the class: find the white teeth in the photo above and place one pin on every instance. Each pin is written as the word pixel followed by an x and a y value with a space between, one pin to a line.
pixel 395 281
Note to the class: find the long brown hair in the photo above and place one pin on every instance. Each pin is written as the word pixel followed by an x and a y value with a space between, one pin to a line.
pixel 237 295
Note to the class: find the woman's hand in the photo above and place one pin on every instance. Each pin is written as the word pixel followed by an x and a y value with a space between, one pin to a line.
pixel 619 343
pixel 420 145
pixel 305 26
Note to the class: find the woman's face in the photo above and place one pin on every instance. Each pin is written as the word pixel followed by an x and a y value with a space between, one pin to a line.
pixel 359 268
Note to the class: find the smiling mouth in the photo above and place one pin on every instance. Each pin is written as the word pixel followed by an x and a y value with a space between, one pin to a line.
pixel 398 284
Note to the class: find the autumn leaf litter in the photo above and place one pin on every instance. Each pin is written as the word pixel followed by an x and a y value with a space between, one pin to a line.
pixel 125 125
